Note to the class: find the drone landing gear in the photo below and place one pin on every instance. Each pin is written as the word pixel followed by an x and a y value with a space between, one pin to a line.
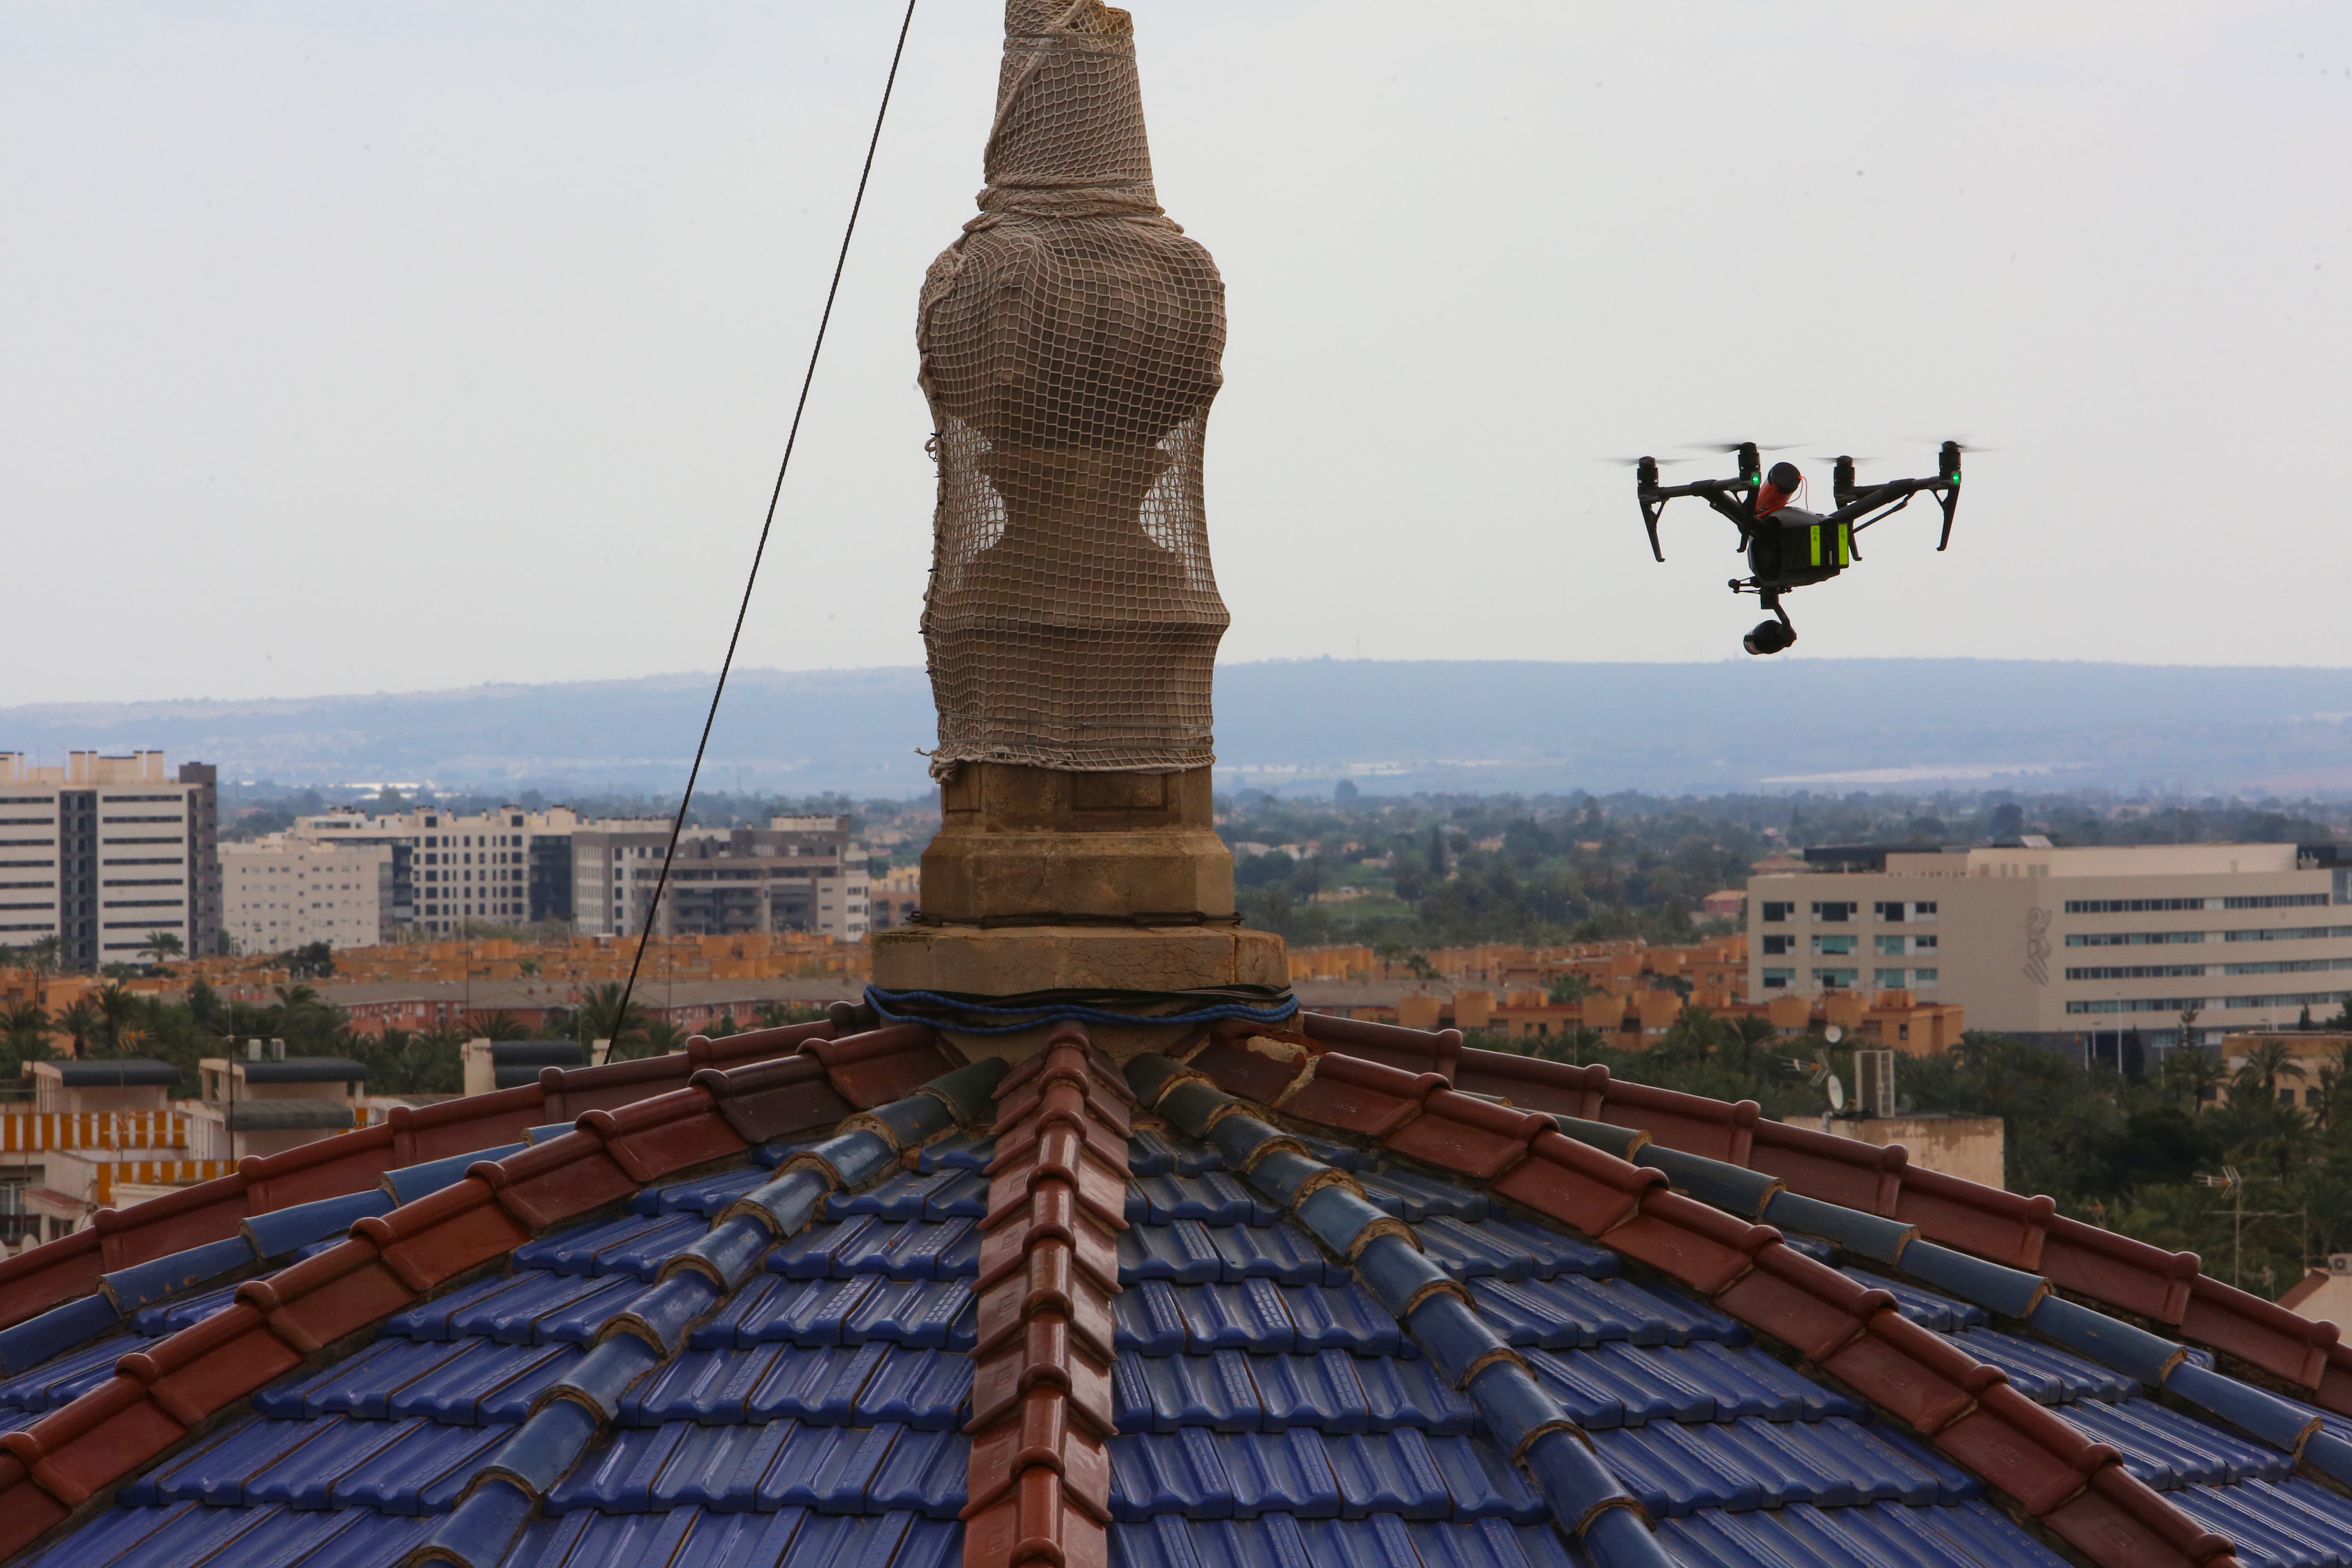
pixel 1773 635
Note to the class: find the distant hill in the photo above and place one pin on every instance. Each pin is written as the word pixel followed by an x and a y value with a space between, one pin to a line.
pixel 1470 725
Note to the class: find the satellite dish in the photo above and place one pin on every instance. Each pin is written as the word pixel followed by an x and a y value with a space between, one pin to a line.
pixel 1833 1034
pixel 1837 1093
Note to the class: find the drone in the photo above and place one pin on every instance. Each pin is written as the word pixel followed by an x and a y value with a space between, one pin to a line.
pixel 1788 547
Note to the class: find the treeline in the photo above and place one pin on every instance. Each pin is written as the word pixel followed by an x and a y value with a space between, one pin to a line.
pixel 1406 873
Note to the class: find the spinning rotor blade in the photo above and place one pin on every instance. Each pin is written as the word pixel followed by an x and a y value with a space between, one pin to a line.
pixel 1635 462
pixel 1735 446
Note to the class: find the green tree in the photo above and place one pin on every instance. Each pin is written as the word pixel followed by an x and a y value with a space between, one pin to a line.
pixel 784 1015
pixel 2191 1074
pixel 2266 1064
pixel 117 1007
pixel 81 1024
pixel 1571 986
pixel 161 947
pixel 500 1025
pixel 596 1014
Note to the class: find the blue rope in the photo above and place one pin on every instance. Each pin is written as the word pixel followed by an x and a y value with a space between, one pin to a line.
pixel 885 1003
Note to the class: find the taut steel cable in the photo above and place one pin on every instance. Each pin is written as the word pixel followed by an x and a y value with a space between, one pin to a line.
pixel 678 824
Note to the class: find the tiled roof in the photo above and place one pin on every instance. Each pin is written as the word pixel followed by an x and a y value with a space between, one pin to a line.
pixel 1278 1303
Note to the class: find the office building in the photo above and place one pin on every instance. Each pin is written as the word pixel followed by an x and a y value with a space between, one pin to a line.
pixel 105 853
pixel 2068 946
pixel 280 892
pixel 799 873
pixel 505 867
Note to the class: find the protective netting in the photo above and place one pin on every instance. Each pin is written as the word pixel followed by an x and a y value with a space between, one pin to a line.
pixel 1070 345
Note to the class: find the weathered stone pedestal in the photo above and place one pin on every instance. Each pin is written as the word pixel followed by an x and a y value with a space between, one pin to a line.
pixel 1041 879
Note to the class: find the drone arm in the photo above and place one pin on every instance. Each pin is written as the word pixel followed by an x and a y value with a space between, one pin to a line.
pixel 1716 493
pixel 1653 504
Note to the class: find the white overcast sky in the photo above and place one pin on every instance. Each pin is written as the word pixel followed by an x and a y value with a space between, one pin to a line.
pixel 371 345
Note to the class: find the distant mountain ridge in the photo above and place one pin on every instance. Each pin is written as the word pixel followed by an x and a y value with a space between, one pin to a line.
pixel 1826 724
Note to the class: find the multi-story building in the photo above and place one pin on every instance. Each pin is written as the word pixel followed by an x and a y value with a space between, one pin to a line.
pixel 105 853
pixel 282 892
pixel 799 873
pixel 2065 945
pixel 509 866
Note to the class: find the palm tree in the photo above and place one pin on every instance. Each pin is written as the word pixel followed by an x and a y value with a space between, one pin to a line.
pixel 596 1016
pixel 778 1015
pixel 662 1038
pixel 497 1026
pixel 78 1024
pixel 47 953
pixel 160 947
pixel 2269 1061
pixel 2194 1073
pixel 116 1008
pixel 24 1025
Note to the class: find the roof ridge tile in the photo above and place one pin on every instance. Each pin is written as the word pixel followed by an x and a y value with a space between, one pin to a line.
pixel 1038 1477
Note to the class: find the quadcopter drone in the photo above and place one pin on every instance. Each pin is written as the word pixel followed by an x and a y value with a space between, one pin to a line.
pixel 1788 547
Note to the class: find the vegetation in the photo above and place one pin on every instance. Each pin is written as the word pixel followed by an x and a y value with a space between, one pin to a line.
pixel 2148 1154
pixel 1427 871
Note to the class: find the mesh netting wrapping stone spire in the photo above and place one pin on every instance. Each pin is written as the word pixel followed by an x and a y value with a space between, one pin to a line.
pixel 1070 344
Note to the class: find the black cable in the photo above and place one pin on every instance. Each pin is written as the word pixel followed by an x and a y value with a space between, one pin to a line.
pixel 661 880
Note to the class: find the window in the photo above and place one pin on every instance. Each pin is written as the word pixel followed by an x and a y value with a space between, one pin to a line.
pixel 1833 944
pixel 1922 943
pixel 1779 979
pixel 2274 901
pixel 1834 911
pixel 1892 909
pixel 2140 938
pixel 1890 946
pixel 1835 979
pixel 2144 906
pixel 1887 979
pixel 1924 911
pixel 1774 912
pixel 1777 944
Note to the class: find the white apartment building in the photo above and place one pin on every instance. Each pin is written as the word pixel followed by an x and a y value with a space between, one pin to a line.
pixel 280 892
pixel 103 852
pixel 799 873
pixel 509 866
pixel 2066 945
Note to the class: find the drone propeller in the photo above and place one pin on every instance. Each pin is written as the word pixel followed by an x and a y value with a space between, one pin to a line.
pixel 1735 446
pixel 1636 462
pixel 1964 444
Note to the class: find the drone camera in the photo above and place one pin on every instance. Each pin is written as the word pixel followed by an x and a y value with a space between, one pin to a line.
pixel 1770 637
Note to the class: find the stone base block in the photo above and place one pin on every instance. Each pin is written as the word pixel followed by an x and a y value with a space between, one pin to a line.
pixel 1009 960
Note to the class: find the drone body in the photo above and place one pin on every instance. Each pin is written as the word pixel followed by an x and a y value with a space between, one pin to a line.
pixel 1788 547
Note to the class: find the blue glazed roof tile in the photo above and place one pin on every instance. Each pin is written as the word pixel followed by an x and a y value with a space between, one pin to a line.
pixel 924 1472
pixel 64 1378
pixel 1415 1197
pixel 421 1473
pixel 1389 1473
pixel 2043 1372
pixel 1928 1308
pixel 957 1152
pixel 711 1386
pixel 1213 1197
pixel 1248 1316
pixel 1500 1249
pixel 306 1476
pixel 454 1391
pixel 619 1478
pixel 2168 1450
pixel 718 1468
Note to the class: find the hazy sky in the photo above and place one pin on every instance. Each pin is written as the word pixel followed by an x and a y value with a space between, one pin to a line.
pixel 386 346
